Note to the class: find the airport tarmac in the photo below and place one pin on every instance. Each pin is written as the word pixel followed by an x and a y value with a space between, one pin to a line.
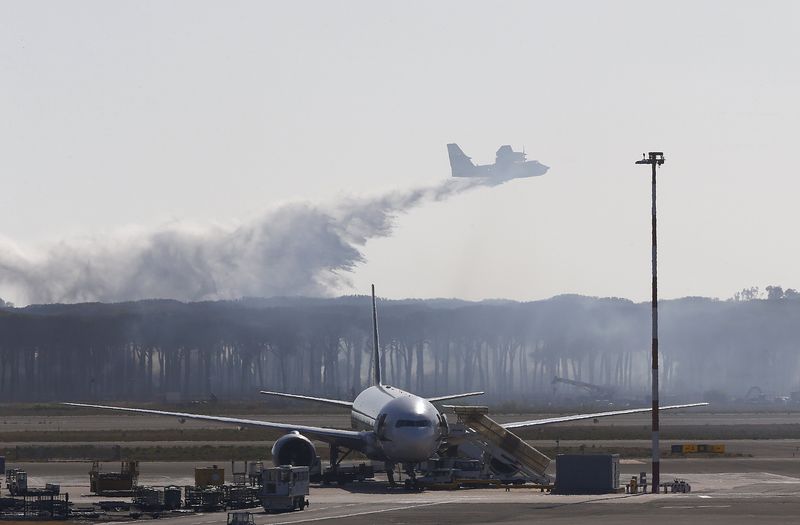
pixel 759 484
pixel 724 490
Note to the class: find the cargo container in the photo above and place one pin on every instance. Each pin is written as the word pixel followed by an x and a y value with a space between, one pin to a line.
pixel 207 499
pixel 587 474
pixel 114 483
pixel 209 476
pixel 149 499
pixel 17 482
pixel 689 448
pixel 172 498
pixel 718 449
pixel 156 499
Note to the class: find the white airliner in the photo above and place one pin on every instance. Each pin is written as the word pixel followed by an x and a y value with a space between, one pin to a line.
pixel 388 424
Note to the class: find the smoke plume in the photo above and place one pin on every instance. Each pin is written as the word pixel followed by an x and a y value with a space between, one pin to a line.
pixel 294 249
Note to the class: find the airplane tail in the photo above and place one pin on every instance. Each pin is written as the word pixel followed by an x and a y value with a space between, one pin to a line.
pixel 460 164
pixel 376 379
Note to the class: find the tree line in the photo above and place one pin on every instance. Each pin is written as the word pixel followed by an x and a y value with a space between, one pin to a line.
pixel 167 350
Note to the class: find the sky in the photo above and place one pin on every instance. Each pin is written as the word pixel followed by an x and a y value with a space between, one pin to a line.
pixel 127 117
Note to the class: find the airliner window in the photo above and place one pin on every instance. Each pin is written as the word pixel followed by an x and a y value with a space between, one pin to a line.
pixel 412 423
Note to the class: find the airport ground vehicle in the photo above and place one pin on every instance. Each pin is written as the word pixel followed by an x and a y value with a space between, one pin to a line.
pixel 240 518
pixel 284 488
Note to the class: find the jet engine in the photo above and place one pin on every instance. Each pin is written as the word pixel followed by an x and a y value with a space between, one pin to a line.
pixel 294 449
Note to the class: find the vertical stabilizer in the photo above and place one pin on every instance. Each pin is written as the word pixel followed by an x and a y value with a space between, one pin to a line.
pixel 460 164
pixel 376 379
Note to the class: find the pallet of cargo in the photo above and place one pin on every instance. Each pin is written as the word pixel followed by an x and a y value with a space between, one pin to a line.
pixel 205 499
pixel 122 483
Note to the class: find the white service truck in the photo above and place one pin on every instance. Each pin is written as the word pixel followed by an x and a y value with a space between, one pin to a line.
pixel 284 488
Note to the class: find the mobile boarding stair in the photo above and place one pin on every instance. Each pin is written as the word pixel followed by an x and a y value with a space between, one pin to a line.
pixel 479 437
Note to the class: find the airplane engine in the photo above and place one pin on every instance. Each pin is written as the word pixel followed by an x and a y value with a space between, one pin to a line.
pixel 294 449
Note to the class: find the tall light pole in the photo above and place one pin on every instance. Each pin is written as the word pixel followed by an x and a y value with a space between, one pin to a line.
pixel 655 159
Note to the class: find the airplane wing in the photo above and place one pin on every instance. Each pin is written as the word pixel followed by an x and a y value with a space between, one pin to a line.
pixel 578 417
pixel 345 404
pixel 346 438
pixel 453 396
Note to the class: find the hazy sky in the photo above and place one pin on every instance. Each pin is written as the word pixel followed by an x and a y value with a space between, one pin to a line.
pixel 129 116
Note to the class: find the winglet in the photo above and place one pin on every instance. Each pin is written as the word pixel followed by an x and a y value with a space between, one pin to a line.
pixel 375 346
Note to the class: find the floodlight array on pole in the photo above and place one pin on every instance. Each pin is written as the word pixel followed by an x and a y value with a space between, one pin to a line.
pixel 654 159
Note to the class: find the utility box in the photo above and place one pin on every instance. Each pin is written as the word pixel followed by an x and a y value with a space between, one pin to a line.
pixel 587 474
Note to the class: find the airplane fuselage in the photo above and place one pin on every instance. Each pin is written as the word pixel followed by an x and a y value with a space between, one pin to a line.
pixel 517 170
pixel 408 428
pixel 510 164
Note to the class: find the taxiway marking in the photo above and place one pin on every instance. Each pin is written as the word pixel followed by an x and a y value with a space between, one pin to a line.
pixel 365 513
pixel 695 507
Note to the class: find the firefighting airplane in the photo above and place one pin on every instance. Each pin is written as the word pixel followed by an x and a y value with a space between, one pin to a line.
pixel 388 424
pixel 509 164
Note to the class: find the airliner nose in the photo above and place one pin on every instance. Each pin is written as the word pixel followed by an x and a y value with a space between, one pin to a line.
pixel 411 432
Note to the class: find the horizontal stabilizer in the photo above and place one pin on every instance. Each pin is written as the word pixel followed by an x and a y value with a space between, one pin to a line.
pixel 453 396
pixel 346 404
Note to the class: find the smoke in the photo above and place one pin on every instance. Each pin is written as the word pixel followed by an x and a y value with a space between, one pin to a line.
pixel 294 249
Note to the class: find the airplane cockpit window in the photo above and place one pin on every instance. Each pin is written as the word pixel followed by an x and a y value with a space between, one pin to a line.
pixel 412 423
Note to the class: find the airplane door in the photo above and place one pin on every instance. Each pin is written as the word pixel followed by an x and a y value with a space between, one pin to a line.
pixel 443 427
pixel 380 427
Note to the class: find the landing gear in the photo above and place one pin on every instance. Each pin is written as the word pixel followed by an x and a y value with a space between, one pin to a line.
pixel 334 473
pixel 390 474
pixel 334 459
pixel 411 480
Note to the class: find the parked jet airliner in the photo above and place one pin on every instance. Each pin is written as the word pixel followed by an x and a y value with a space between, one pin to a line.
pixel 388 424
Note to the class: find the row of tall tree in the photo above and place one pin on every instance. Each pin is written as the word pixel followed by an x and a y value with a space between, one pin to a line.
pixel 152 350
